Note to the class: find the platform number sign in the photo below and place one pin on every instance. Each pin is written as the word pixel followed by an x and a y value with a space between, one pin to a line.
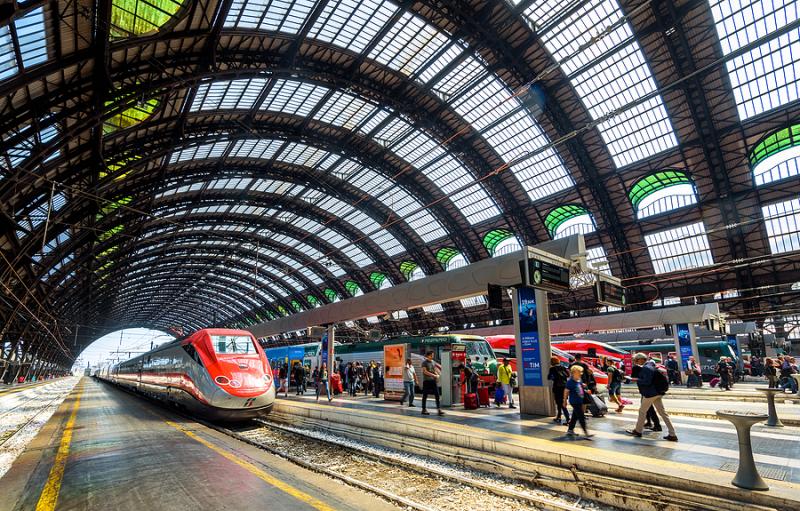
pixel 530 355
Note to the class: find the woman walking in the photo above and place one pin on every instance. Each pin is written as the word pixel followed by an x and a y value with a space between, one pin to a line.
pixel 559 375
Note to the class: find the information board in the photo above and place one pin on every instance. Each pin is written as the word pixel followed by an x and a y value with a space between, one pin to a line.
pixel 685 344
pixel 324 349
pixel 530 356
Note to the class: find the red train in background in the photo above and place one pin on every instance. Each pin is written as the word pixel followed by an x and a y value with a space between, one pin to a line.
pixel 219 374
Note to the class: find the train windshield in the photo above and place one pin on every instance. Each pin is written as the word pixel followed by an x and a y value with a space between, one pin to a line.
pixel 233 344
pixel 479 348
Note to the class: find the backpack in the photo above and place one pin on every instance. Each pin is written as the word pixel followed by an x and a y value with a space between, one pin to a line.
pixel 560 376
pixel 660 382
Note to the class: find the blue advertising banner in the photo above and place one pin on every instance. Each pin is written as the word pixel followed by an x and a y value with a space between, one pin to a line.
pixel 733 343
pixel 530 355
pixel 324 349
pixel 685 344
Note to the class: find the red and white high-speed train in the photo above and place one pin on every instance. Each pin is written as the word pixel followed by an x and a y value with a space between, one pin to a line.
pixel 215 373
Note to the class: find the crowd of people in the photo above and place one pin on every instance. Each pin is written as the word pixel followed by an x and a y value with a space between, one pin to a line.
pixel 779 372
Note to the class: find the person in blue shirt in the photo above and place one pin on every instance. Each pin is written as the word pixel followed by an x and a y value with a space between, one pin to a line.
pixel 573 394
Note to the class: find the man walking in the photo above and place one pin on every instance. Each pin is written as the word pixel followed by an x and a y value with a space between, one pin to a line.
pixel 673 370
pixel 504 377
pixel 650 387
pixel 430 383
pixel 409 381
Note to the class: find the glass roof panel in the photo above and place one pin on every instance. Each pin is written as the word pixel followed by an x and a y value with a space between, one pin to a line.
pixel 200 152
pixel 285 16
pixel 596 258
pixel 681 248
pixel 608 74
pixel 345 110
pixel 409 44
pixel 493 238
pixel 767 76
pixel 228 94
pixel 777 156
pixel 137 17
pixel 352 24
pixel 32 37
pixel 8 60
pixel 307 156
pixel 293 97
pixel 782 221
pixel 256 148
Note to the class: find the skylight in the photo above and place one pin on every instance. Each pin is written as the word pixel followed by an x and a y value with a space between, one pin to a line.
pixel 782 221
pixel 408 45
pixel 200 152
pixel 776 156
pixel 569 219
pixel 32 46
pixel 662 192
pixel 293 97
pixel 351 24
pixel 681 248
pixel 607 75
pixel 767 76
pixel 228 94
pixel 137 17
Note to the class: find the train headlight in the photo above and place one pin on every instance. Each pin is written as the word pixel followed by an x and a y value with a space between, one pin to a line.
pixel 222 380
pixel 267 379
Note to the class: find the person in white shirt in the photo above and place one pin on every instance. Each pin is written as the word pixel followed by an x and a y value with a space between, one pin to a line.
pixel 409 382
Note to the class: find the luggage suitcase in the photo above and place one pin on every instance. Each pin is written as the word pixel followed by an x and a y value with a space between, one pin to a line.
pixel 470 401
pixel 499 396
pixel 483 396
pixel 597 407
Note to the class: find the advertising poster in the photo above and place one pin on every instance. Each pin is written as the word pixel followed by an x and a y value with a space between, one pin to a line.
pixel 530 355
pixel 685 344
pixel 394 358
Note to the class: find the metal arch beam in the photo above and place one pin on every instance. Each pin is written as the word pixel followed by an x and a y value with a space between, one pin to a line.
pixel 280 227
pixel 181 174
pixel 164 277
pixel 211 293
pixel 206 307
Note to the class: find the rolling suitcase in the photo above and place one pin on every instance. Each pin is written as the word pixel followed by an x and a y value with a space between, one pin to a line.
pixel 470 401
pixel 597 407
pixel 483 396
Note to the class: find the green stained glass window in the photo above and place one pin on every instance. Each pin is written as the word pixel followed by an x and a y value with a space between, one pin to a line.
pixel 111 232
pixel 107 252
pixel 312 300
pixel 331 295
pixel 296 306
pixel 136 17
pixel 495 237
pixel 352 287
pixel 377 279
pixel 407 268
pixel 131 116
pixel 115 204
pixel 270 314
pixel 282 310
pixel 561 214
pixel 117 168
pixel 656 182
pixel 774 143
pixel 444 255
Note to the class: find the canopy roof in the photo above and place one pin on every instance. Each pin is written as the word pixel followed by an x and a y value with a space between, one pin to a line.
pixel 222 162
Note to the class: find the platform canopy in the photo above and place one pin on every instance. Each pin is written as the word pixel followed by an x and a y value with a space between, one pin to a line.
pixel 186 163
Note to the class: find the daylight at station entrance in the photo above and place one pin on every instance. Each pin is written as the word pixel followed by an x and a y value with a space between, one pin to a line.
pixel 437 255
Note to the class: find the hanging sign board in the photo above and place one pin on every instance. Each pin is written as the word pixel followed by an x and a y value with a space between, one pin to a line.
pixel 458 353
pixel 394 359
pixel 685 344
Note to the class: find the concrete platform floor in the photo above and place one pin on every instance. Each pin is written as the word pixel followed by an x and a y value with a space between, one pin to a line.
pixel 127 454
pixel 703 442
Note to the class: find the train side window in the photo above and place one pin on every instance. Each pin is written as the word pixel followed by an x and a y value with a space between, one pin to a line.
pixel 512 351
pixel 189 349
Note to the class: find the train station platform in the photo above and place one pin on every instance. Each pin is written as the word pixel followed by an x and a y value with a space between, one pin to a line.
pixel 19 387
pixel 697 470
pixel 107 449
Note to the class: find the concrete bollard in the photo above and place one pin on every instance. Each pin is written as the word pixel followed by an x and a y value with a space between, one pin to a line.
pixel 772 420
pixel 747 475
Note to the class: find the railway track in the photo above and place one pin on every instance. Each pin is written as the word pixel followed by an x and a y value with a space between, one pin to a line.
pixel 410 481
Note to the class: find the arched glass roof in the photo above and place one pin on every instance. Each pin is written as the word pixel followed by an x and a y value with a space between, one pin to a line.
pixel 275 151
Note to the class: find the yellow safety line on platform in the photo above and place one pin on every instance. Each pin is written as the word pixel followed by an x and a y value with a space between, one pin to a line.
pixel 49 496
pixel 286 488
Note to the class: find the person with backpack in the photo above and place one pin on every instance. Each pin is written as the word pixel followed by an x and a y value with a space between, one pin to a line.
pixel 653 384
pixel 615 378
pixel 724 372
pixel 559 375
